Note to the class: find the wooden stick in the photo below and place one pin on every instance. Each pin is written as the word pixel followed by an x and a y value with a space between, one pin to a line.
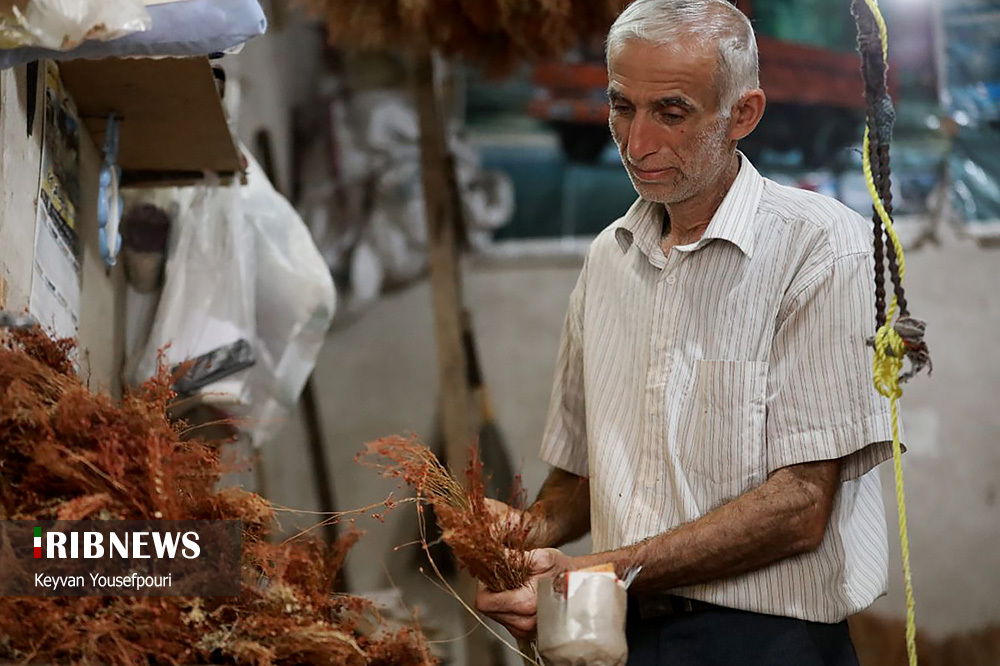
pixel 443 240
pixel 442 235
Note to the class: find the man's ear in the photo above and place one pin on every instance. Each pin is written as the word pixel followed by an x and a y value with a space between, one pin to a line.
pixel 746 114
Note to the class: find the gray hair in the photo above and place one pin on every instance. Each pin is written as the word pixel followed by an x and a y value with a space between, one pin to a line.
pixel 661 22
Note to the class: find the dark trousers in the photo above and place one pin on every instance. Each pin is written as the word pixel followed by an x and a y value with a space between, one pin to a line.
pixel 719 636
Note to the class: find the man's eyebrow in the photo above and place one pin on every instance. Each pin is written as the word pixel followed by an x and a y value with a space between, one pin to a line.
pixel 679 102
pixel 615 96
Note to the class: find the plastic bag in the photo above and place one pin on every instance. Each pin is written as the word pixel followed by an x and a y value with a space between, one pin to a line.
pixel 583 625
pixel 189 28
pixel 295 303
pixel 208 298
pixel 63 24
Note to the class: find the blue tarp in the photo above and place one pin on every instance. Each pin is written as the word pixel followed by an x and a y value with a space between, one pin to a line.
pixel 189 28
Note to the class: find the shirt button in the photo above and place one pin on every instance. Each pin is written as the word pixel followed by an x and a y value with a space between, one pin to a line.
pixel 671 279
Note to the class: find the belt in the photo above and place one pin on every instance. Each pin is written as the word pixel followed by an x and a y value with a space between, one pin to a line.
pixel 663 605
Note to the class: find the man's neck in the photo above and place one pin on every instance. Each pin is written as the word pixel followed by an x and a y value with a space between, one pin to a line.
pixel 686 221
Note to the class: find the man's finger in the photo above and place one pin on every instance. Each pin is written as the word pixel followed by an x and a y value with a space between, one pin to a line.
pixel 519 627
pixel 523 622
pixel 497 508
pixel 523 634
pixel 520 601
pixel 547 561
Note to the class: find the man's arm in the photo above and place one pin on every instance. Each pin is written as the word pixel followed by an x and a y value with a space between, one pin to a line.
pixel 785 516
pixel 561 513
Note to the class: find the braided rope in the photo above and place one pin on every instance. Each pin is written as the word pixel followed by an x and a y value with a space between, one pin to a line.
pixel 890 346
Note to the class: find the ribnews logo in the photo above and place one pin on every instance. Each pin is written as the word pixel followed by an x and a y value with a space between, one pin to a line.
pixel 91 545
pixel 119 557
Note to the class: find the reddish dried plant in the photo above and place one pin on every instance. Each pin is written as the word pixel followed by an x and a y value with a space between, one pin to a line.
pixel 497 34
pixel 68 453
pixel 491 548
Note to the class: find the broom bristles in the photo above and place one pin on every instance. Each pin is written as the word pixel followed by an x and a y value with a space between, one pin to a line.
pixel 492 551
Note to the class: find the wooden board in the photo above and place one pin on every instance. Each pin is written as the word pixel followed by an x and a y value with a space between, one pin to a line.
pixel 173 127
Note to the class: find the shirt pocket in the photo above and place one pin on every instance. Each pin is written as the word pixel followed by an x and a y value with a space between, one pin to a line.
pixel 727 453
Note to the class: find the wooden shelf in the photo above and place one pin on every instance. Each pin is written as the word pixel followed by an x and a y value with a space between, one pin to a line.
pixel 173 127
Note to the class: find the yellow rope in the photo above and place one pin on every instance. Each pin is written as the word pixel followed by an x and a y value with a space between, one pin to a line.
pixel 887 365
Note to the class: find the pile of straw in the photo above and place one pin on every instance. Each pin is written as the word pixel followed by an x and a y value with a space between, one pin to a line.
pixel 69 453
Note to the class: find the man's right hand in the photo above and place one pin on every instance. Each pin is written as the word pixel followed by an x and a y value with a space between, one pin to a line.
pixel 516 609
pixel 560 514
pixel 513 520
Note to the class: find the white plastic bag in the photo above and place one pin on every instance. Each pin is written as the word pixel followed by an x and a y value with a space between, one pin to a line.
pixel 295 302
pixel 208 298
pixel 64 24
pixel 584 624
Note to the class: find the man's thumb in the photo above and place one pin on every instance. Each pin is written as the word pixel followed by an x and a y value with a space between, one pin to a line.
pixel 542 560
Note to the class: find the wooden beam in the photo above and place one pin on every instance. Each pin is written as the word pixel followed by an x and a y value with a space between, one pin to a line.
pixel 443 240
pixel 443 235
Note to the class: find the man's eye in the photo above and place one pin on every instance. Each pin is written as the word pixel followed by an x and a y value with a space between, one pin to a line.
pixel 672 117
pixel 620 108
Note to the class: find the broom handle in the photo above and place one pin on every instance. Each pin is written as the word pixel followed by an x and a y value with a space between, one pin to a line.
pixel 475 371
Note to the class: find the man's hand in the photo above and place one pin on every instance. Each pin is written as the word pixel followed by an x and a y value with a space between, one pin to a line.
pixel 560 514
pixel 514 520
pixel 515 609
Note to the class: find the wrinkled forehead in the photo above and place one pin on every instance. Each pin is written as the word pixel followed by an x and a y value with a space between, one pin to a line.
pixel 689 51
pixel 644 70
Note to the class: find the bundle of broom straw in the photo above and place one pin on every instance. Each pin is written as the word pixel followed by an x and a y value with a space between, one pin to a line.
pixel 493 551
pixel 68 453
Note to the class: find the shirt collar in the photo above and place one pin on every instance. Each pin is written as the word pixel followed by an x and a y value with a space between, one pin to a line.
pixel 732 222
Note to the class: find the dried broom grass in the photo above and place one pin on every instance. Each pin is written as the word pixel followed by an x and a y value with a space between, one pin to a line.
pixel 497 34
pixel 492 551
pixel 68 453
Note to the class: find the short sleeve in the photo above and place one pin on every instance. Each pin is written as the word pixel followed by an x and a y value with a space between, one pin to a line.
pixel 822 403
pixel 564 443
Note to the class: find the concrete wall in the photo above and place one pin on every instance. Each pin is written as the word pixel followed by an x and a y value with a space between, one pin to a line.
pixel 101 333
pixel 19 169
pixel 275 73
pixel 952 470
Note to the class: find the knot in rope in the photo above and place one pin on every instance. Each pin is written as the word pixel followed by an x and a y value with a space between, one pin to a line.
pixel 889 352
pixel 904 339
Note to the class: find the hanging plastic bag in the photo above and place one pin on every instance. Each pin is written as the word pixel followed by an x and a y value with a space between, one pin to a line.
pixel 295 303
pixel 208 298
pixel 64 24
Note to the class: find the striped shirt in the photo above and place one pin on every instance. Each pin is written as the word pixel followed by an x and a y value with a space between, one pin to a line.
pixel 683 380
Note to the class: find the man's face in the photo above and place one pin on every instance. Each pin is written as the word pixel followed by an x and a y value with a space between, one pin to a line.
pixel 665 118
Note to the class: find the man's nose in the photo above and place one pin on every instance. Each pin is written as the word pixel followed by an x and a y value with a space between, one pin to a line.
pixel 642 138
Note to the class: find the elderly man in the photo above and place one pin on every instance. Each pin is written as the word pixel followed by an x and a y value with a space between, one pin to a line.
pixel 713 418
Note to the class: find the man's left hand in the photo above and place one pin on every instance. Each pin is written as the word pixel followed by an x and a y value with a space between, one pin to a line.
pixel 516 609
